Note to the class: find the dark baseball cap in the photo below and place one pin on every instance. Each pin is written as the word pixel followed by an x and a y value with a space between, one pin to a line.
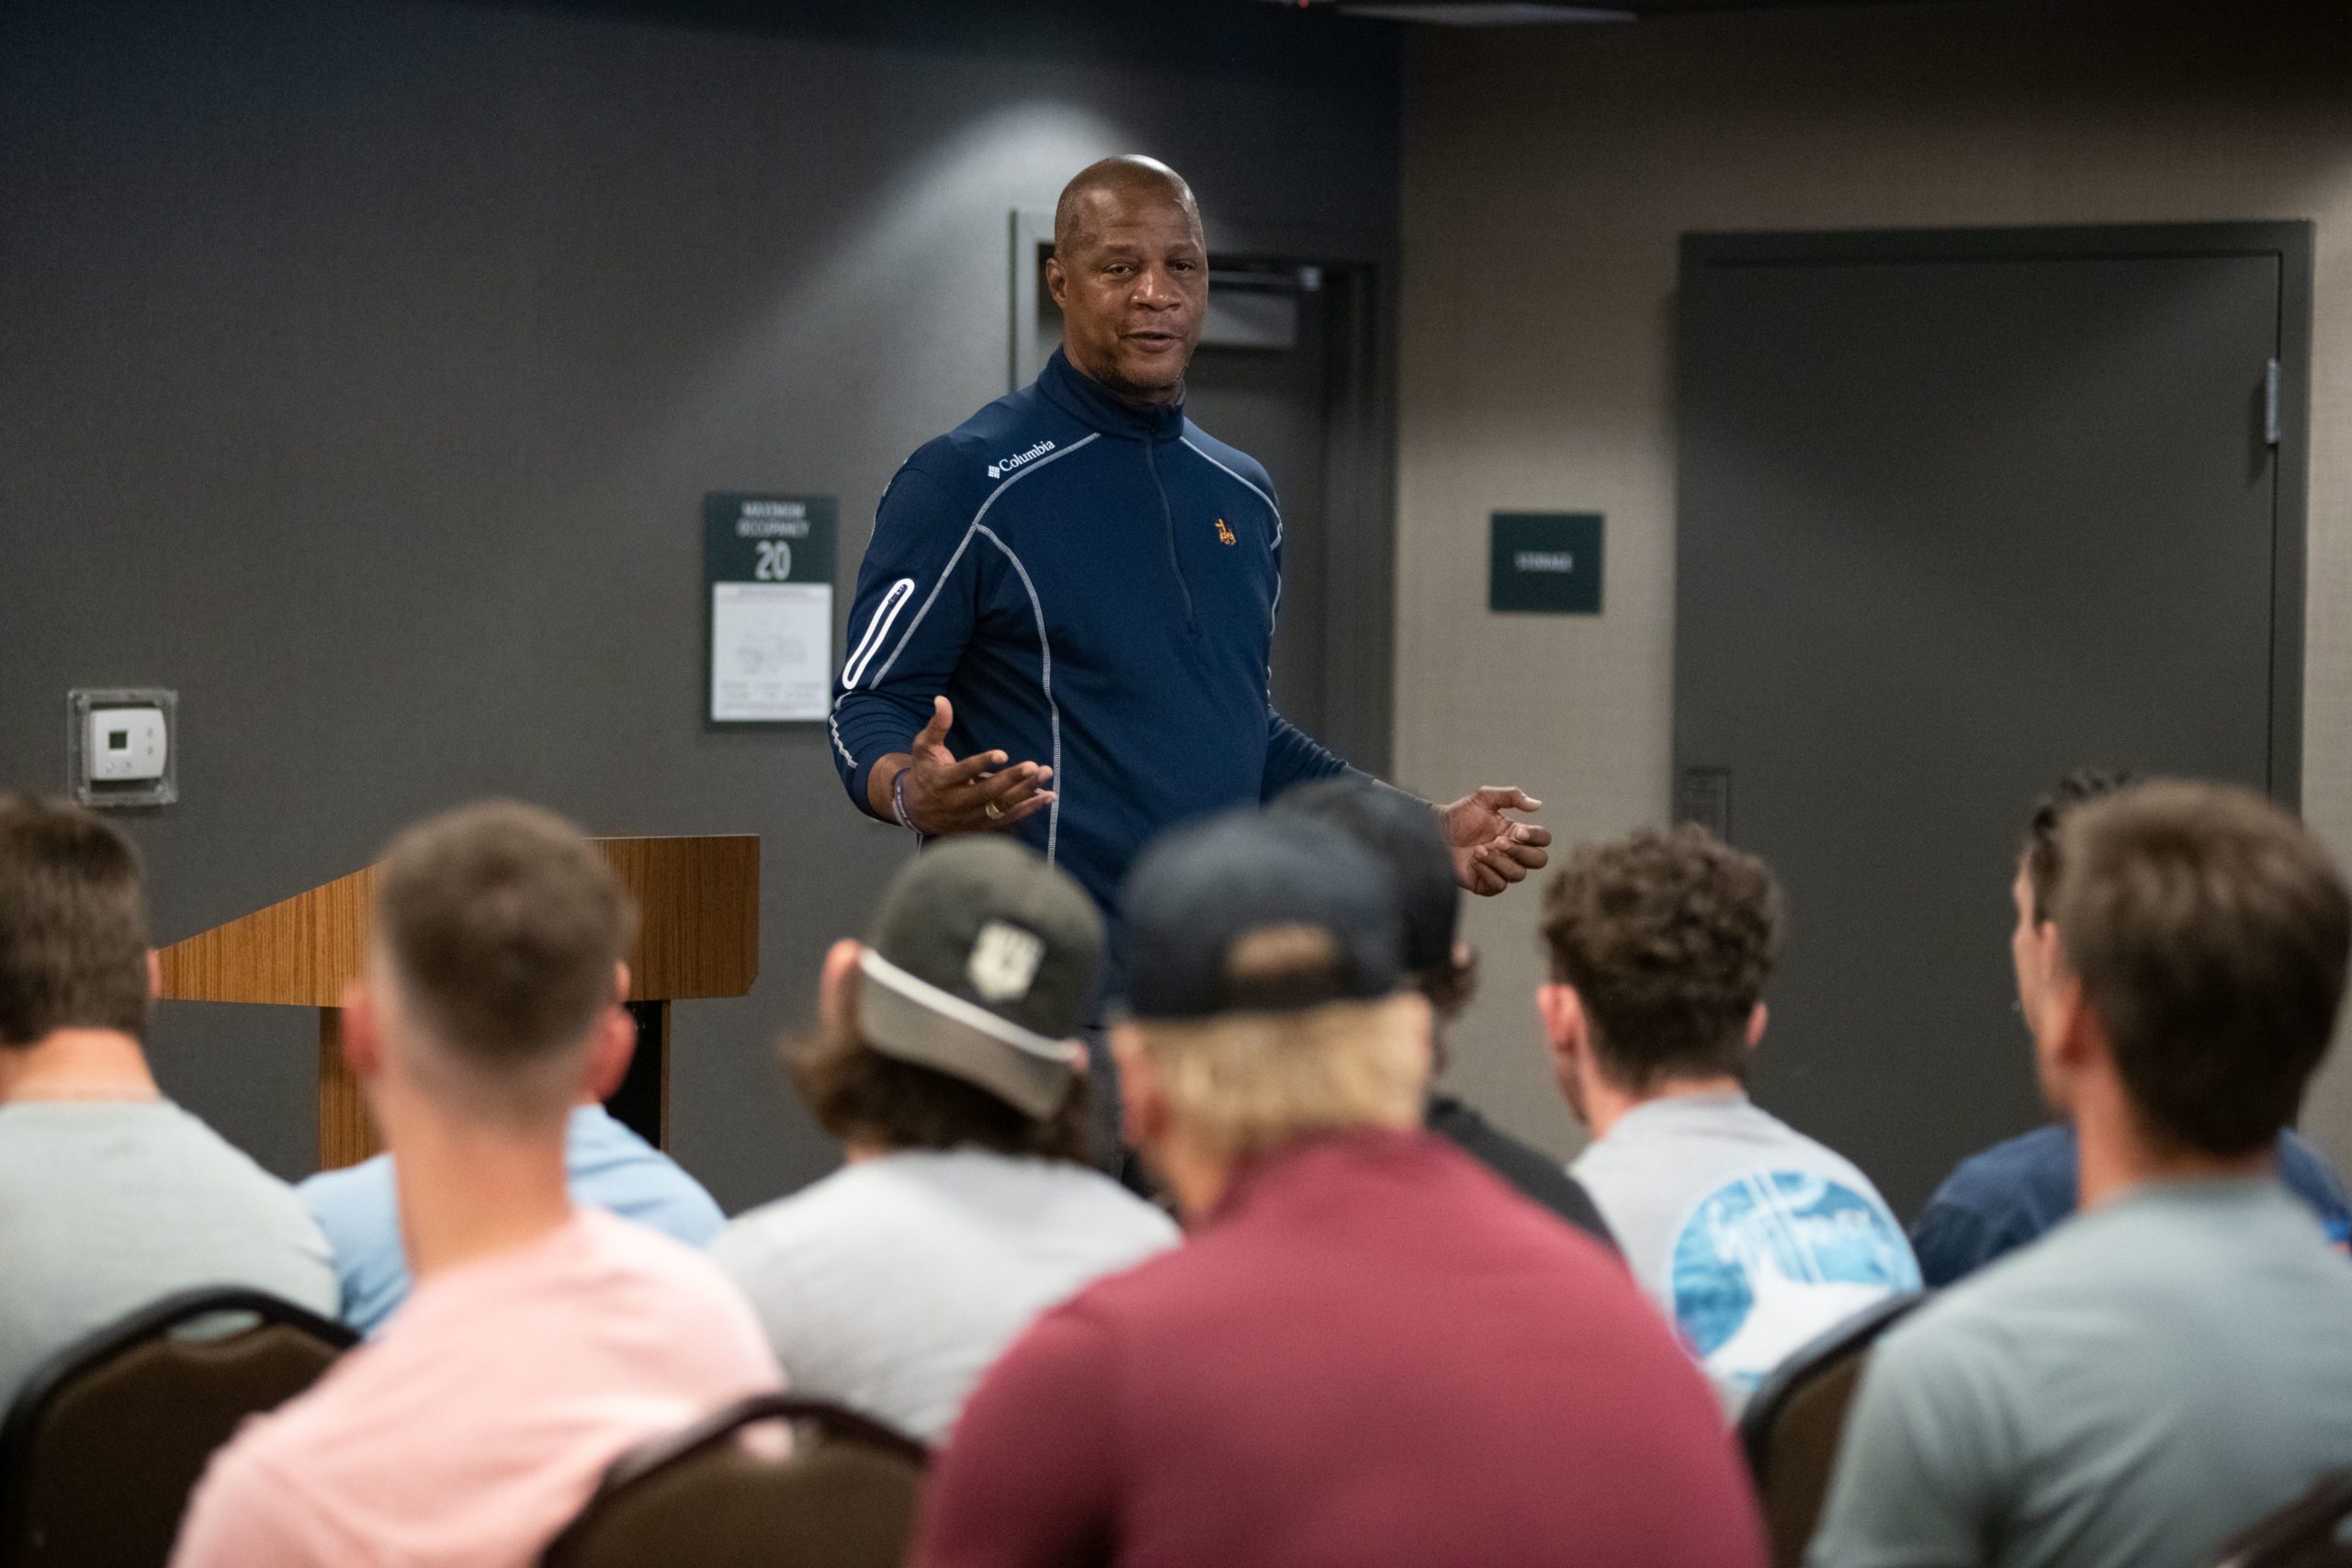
pixel 1198 891
pixel 1403 832
pixel 982 965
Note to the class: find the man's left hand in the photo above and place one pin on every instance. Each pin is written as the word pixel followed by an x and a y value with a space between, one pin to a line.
pixel 1490 850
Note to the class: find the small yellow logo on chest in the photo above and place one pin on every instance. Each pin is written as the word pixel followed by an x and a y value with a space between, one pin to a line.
pixel 1224 533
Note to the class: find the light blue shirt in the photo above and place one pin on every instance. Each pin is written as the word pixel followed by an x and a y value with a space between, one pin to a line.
pixel 610 1167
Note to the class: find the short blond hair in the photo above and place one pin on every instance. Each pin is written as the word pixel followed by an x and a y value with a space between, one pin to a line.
pixel 1245 1082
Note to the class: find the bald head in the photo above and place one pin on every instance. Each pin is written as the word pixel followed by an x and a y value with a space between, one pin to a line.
pixel 1104 191
pixel 1130 272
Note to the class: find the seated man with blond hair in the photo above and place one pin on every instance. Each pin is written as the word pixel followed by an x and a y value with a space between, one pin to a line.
pixel 1370 1351
pixel 543 1338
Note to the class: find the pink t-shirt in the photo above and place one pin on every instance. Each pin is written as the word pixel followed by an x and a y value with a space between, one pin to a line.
pixel 473 1428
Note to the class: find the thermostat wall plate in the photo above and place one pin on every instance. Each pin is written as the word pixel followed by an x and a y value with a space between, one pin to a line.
pixel 121 746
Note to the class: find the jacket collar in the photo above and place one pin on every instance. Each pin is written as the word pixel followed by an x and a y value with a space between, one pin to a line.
pixel 1091 403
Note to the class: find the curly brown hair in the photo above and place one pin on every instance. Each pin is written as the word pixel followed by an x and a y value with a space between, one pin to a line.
pixel 1667 939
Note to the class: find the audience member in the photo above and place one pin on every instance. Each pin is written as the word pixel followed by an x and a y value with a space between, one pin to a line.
pixel 1370 1351
pixel 2173 1363
pixel 542 1339
pixel 110 1196
pixel 1997 1201
pixel 945 1063
pixel 1752 1237
pixel 608 1167
pixel 1402 834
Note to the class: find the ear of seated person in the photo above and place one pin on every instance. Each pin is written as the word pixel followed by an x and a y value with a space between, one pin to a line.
pixel 1369 1350
pixel 110 1196
pixel 2173 1363
pixel 1998 1201
pixel 1753 1237
pixel 1402 833
pixel 945 1061
pixel 542 1338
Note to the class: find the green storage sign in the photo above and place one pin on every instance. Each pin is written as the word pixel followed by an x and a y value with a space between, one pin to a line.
pixel 1546 563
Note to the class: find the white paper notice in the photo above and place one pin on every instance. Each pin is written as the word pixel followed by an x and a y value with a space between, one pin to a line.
pixel 770 651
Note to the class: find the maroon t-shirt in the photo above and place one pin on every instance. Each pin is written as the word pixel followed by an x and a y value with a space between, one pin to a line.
pixel 1374 1354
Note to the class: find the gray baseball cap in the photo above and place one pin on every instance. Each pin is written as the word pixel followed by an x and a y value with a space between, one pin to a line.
pixel 982 965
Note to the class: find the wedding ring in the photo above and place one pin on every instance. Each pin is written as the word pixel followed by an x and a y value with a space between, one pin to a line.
pixel 993 814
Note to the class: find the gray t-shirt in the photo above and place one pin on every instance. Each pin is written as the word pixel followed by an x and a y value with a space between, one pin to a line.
pixel 892 1284
pixel 107 1206
pixel 2145 1381
pixel 1753 1237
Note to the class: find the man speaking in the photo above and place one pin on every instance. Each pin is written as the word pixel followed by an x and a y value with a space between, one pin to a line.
pixel 1063 623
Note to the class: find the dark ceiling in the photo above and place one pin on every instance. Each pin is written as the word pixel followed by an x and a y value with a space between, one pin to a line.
pixel 1688 7
pixel 1595 10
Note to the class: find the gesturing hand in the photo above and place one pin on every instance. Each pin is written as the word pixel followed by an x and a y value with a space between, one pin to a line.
pixel 977 794
pixel 1490 850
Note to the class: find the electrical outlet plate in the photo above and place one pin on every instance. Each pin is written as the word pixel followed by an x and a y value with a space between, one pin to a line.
pixel 79 761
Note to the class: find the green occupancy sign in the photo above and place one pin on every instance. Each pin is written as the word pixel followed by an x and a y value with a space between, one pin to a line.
pixel 1546 562
pixel 768 560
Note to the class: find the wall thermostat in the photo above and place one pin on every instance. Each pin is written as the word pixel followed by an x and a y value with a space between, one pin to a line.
pixel 119 748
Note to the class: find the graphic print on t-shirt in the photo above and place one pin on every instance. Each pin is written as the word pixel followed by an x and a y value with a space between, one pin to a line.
pixel 1769 1260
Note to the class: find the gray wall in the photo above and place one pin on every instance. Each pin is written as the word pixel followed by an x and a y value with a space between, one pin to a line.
pixel 362 367
pixel 1549 175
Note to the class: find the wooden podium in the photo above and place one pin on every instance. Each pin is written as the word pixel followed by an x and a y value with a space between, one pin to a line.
pixel 699 935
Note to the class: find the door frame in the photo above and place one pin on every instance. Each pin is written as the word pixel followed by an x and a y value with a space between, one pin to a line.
pixel 1359 564
pixel 2290 242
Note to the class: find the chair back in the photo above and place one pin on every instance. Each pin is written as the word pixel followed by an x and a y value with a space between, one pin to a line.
pixel 844 1496
pixel 102 1446
pixel 2312 1531
pixel 1791 1426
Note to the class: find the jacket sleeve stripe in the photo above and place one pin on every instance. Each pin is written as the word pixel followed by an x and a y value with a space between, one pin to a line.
pixel 916 625
pixel 877 628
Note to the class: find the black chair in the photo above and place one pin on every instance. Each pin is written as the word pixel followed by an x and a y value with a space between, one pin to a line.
pixel 2312 1531
pixel 103 1445
pixel 1792 1424
pixel 844 1496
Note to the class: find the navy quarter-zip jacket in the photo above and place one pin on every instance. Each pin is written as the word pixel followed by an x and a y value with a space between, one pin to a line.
pixel 1094 587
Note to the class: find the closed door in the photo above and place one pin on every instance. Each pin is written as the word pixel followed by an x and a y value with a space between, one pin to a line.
pixel 1958 514
pixel 1266 392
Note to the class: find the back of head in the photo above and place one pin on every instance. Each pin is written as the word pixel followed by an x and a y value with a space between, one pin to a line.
pixel 2211 932
pixel 72 924
pixel 501 927
pixel 1264 969
pixel 956 1029
pixel 1402 834
pixel 1667 939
